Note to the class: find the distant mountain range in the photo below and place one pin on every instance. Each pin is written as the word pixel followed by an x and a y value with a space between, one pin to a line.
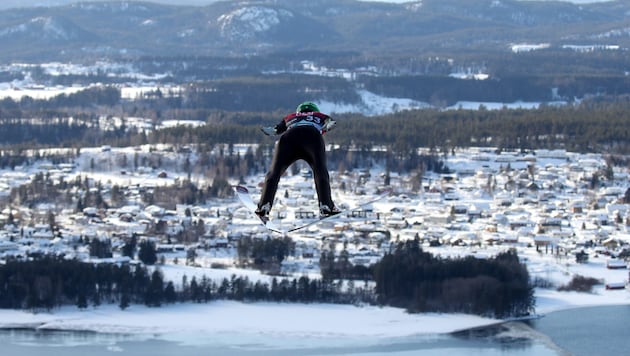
pixel 241 28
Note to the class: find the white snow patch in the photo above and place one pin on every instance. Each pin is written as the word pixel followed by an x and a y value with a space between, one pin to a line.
pixel 528 47
pixel 245 22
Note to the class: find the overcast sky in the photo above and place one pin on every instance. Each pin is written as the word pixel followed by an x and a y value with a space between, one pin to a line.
pixel 4 4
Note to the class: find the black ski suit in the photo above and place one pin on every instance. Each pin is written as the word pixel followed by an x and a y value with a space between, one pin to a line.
pixel 301 139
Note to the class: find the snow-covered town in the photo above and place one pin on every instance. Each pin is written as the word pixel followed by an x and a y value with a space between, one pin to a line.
pixel 480 164
pixel 542 203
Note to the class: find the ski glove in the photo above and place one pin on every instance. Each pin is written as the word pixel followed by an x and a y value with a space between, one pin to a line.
pixel 329 125
pixel 269 131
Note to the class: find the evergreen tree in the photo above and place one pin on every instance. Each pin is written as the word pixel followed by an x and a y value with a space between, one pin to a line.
pixel 100 248
pixel 147 252
pixel 170 296
pixel 129 248
pixel 124 301
pixel 155 292
pixel 82 301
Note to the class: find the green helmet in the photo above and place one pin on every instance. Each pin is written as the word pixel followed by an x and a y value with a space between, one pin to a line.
pixel 306 106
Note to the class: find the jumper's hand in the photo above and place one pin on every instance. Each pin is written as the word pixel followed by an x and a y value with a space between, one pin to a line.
pixel 330 124
pixel 269 131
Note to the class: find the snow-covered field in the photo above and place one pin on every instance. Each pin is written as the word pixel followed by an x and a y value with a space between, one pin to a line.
pixel 314 320
pixel 180 321
pixel 139 84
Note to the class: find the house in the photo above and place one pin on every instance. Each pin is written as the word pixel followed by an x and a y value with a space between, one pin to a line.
pixel 304 214
pixel 615 285
pixel 438 218
pixel 396 221
pixel 543 240
pixel 549 224
pixel 217 242
pixel 577 207
pixel 598 218
pixel 459 209
pixel 616 264
pixel 42 231
pixel 611 243
pixel 8 246
pixel 90 212
pixel 308 252
pixel 518 224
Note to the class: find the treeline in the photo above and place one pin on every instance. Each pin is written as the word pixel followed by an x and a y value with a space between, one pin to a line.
pixel 591 127
pixel 20 133
pixel 407 277
pixel 446 91
pixel 268 93
pixel 595 125
pixel 265 254
pixel 281 92
pixel 86 98
pixel 50 282
pixel 420 282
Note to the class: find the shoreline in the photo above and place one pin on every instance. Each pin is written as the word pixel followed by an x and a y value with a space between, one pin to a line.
pixel 226 317
pixel 313 320
pixel 497 336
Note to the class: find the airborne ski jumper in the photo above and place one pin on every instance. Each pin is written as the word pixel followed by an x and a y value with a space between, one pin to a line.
pixel 301 137
pixel 243 195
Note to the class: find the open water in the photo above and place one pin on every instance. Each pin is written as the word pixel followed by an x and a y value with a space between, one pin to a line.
pixel 584 331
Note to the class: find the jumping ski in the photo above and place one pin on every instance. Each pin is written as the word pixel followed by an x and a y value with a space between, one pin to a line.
pixel 361 205
pixel 243 195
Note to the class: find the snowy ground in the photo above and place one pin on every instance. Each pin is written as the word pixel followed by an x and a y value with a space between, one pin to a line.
pixel 279 319
pixel 314 320
pixel 181 321
pixel 371 103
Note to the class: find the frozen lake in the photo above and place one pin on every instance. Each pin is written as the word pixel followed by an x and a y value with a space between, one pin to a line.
pixel 583 331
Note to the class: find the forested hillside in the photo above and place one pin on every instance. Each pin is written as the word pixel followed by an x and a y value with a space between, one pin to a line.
pixel 232 28
pixel 598 125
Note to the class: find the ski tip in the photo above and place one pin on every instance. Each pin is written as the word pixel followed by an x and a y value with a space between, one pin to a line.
pixel 241 189
pixel 387 191
pixel 278 231
pixel 272 227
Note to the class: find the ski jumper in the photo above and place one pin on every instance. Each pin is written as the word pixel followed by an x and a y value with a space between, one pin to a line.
pixel 301 138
